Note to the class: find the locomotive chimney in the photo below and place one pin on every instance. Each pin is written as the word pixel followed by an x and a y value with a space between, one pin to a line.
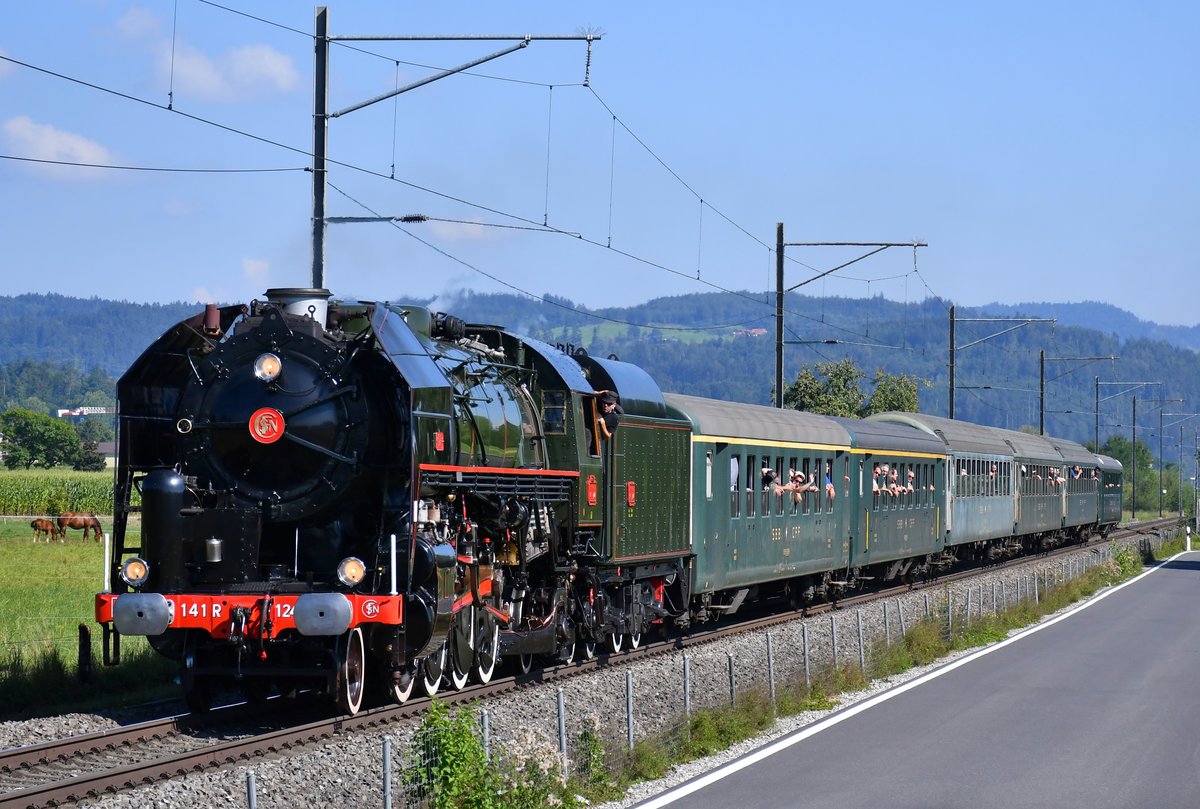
pixel 308 302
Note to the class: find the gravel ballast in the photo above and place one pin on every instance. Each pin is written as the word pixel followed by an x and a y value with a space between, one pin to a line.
pixel 348 772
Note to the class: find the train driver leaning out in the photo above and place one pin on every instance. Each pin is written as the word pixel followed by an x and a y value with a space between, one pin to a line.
pixel 610 413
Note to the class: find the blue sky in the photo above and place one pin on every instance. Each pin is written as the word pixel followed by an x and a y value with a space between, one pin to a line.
pixel 1044 151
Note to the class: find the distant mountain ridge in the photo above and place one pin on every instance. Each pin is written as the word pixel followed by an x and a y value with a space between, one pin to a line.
pixel 711 344
pixel 1102 317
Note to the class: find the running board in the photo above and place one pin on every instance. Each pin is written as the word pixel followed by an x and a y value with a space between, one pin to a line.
pixel 734 605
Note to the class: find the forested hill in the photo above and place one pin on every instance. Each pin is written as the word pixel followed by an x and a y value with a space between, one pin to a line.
pixel 91 334
pixel 722 345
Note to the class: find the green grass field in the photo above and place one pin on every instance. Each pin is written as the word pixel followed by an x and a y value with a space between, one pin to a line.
pixel 46 592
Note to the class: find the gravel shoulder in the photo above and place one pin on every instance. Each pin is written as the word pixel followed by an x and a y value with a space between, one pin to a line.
pixel 349 772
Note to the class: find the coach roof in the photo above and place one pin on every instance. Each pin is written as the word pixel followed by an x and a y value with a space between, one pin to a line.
pixel 719 419
pixel 959 436
pixel 890 436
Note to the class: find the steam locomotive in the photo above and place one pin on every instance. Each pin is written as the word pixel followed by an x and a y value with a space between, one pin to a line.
pixel 341 495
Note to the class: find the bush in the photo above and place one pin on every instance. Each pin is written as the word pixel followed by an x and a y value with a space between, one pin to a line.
pixel 449 766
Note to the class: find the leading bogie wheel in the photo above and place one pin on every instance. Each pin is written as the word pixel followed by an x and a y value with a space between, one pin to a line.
pixel 525 663
pixel 587 650
pixel 616 642
pixel 351 673
pixel 400 685
pixel 431 670
pixel 635 640
pixel 459 670
pixel 487 647
pixel 567 648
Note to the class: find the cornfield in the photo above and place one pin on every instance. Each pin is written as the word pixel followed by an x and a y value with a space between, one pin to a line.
pixel 41 492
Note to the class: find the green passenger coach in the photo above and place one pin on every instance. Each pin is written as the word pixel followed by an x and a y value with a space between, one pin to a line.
pixel 749 529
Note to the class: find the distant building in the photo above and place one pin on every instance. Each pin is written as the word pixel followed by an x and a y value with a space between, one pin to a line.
pixel 86 411
pixel 750 333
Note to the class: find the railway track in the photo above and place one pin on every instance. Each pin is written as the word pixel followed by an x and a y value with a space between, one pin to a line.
pixel 96 764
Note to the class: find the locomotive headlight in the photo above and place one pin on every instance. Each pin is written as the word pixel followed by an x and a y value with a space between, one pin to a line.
pixel 135 571
pixel 351 571
pixel 267 367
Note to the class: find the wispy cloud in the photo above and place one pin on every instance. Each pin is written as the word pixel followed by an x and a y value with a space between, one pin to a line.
pixel 256 272
pixel 139 23
pixel 203 295
pixel 256 275
pixel 246 73
pixel 178 208
pixel 243 74
pixel 26 138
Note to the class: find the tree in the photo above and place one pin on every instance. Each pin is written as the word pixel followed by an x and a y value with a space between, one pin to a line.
pixel 95 428
pixel 837 394
pixel 1137 462
pixel 895 392
pixel 35 438
pixel 89 458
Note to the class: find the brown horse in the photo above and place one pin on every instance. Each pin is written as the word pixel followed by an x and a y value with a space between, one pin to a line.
pixel 79 519
pixel 44 528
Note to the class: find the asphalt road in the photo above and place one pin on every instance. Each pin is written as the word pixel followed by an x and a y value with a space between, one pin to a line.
pixel 1098 708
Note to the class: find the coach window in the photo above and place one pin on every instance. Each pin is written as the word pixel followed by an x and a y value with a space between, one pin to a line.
pixel 791 495
pixel 780 479
pixel 735 492
pixel 708 475
pixel 751 487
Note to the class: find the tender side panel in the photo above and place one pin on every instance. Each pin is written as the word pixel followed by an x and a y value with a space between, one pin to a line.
pixel 648 487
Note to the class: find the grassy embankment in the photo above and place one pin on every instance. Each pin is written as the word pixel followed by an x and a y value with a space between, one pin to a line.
pixel 461 775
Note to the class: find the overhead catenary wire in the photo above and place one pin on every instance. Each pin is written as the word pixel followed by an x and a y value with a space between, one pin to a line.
pixel 586 83
pixel 450 197
pixel 115 167
pixel 393 221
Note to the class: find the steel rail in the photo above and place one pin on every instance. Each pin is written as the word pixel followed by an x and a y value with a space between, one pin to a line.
pixel 213 756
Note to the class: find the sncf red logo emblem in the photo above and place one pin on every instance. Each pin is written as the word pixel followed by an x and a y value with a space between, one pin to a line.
pixel 266 425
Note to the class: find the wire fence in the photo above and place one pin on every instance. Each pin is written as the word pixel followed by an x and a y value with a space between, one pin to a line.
pixel 582 735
